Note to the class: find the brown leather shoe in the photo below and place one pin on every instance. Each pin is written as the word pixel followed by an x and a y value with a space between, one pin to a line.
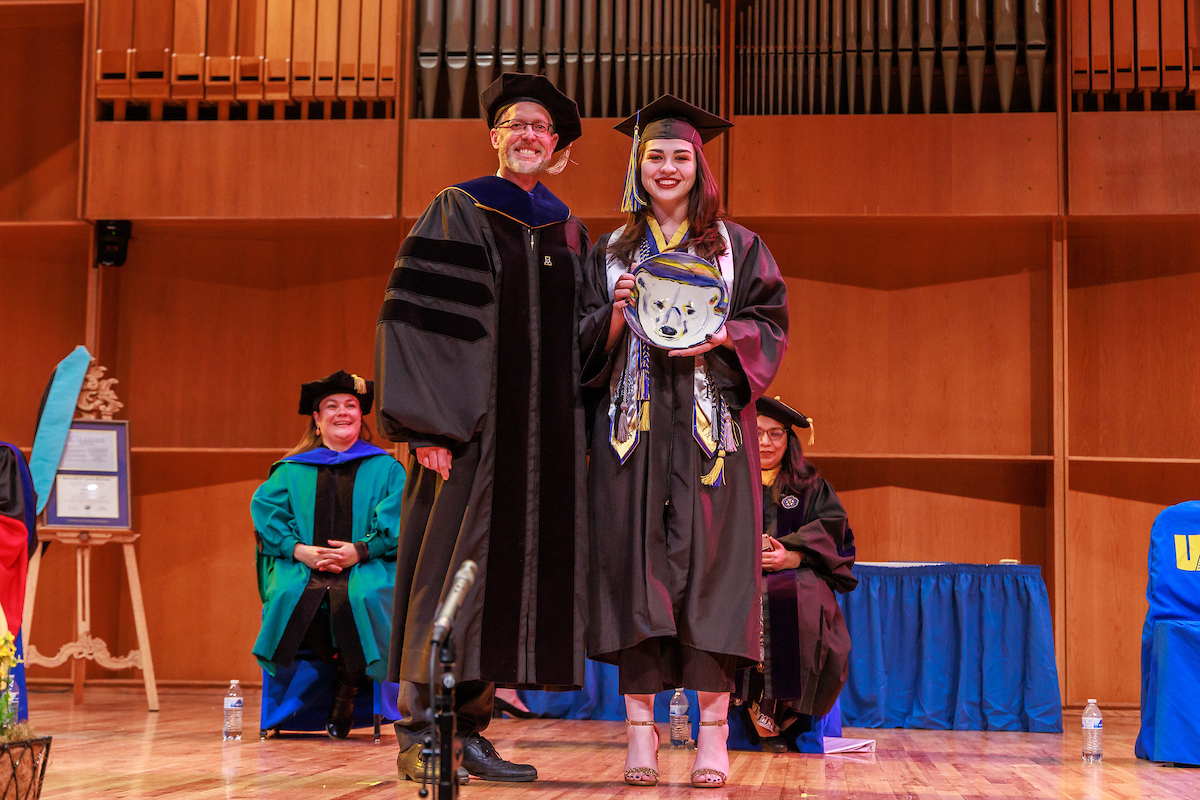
pixel 410 764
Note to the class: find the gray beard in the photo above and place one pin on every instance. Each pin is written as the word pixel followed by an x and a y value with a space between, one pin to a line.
pixel 523 168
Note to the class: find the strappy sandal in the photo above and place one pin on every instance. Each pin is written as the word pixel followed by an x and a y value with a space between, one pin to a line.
pixel 643 776
pixel 699 775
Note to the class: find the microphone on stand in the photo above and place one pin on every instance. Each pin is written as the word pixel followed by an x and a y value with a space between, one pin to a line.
pixel 444 618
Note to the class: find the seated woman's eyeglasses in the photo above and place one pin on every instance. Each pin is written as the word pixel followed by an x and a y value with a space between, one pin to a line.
pixel 776 435
pixel 516 126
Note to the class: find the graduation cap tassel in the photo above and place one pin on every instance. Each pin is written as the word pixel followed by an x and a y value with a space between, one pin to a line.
pixel 715 475
pixel 360 385
pixel 631 197
pixel 561 164
pixel 644 417
pixel 812 431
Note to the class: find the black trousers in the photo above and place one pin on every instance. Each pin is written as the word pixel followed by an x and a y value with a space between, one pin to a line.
pixel 472 705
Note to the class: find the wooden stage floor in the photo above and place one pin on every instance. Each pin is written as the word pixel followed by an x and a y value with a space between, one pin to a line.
pixel 110 747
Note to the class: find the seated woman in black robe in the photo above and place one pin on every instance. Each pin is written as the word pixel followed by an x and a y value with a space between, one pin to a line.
pixel 327 521
pixel 808 552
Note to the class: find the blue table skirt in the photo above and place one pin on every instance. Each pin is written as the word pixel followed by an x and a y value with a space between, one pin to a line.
pixel 951 647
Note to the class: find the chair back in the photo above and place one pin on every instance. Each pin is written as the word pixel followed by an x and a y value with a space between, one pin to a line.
pixel 1173 590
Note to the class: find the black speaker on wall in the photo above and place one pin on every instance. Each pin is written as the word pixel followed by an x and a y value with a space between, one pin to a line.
pixel 112 241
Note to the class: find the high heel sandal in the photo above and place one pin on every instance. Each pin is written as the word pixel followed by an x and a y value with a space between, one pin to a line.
pixel 643 776
pixel 704 772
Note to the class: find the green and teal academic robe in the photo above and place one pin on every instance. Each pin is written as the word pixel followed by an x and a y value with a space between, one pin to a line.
pixel 311 498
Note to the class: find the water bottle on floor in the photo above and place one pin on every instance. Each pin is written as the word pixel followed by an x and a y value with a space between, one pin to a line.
pixel 1093 730
pixel 233 712
pixel 681 725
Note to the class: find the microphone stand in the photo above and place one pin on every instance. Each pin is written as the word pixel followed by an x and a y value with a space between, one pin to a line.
pixel 445 722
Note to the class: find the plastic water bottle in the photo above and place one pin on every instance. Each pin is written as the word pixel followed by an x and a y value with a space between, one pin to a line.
pixel 233 712
pixel 14 702
pixel 1093 730
pixel 681 725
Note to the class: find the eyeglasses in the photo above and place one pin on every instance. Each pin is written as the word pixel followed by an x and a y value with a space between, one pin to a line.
pixel 518 127
pixel 776 435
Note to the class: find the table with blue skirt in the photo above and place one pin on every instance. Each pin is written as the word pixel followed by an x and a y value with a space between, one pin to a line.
pixel 940 646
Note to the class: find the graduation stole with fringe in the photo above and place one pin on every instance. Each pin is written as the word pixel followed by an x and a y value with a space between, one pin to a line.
pixel 629 390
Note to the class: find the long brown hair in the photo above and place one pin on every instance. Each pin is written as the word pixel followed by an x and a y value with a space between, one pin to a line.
pixel 312 440
pixel 704 210
pixel 796 474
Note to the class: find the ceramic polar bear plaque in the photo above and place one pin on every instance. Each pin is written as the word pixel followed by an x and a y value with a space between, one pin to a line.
pixel 677 300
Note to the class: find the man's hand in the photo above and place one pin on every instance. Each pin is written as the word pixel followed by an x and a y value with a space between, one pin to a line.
pixel 337 557
pixel 436 459
pixel 779 557
pixel 718 339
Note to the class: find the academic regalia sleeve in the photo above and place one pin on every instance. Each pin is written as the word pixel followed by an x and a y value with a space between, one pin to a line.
pixel 274 522
pixel 595 315
pixel 825 541
pixel 757 324
pixel 383 538
pixel 435 337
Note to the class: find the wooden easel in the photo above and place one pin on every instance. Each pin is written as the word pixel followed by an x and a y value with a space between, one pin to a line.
pixel 85 645
pixel 96 398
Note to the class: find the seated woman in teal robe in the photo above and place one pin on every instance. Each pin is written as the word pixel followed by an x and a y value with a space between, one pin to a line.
pixel 326 521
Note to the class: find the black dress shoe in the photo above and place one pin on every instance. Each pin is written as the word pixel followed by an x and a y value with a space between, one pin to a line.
pixel 774 744
pixel 482 761
pixel 341 713
pixel 410 764
pixel 502 707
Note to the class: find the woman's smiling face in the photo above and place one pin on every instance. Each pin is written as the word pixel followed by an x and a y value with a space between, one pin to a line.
pixel 669 170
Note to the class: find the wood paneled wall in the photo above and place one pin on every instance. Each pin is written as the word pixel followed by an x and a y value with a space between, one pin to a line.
pixel 992 321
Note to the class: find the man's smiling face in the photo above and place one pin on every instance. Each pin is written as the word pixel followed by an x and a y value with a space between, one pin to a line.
pixel 521 148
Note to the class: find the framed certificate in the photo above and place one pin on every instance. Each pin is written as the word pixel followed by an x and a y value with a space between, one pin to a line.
pixel 91 488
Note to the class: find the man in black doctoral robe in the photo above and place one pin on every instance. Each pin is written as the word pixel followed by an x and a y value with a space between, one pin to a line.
pixel 477 368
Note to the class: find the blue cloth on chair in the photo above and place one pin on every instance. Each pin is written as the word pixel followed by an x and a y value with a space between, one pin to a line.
pixel 951 647
pixel 298 698
pixel 18 675
pixel 1171 639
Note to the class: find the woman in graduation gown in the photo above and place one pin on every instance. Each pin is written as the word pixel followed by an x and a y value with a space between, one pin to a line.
pixel 674 493
pixel 808 553
pixel 326 521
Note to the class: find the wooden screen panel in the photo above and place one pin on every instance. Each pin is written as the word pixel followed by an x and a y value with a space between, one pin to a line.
pixel 304 42
pixel 43 302
pixel 1149 57
pixel 1111 508
pixel 152 28
pixel 1133 383
pixel 327 48
pixel 114 48
pixel 220 61
pixel 1174 42
pixel 1081 52
pixel 184 283
pixel 277 51
pixel 195 509
pixel 905 510
pixel 1101 46
pixel 348 41
pixel 251 48
pixel 39 127
pixel 1124 45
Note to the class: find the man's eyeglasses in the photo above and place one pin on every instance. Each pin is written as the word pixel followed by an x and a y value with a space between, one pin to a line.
pixel 776 435
pixel 518 127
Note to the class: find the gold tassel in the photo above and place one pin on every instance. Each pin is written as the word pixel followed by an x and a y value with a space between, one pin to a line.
pixel 812 431
pixel 631 199
pixel 713 478
pixel 644 416
pixel 360 385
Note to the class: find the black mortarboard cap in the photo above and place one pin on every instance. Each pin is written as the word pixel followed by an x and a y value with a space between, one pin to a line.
pixel 781 412
pixel 311 394
pixel 513 87
pixel 668 117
